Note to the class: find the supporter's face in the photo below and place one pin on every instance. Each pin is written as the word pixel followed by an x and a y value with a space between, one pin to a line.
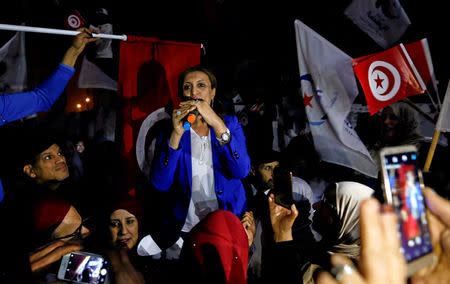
pixel 71 225
pixel 50 166
pixel 390 122
pixel 266 172
pixel 80 146
pixel 325 220
pixel 124 228
pixel 196 85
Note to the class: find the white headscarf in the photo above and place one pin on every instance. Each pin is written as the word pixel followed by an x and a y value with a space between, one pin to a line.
pixel 349 196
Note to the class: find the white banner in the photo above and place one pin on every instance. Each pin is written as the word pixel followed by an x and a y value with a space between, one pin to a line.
pixel 384 21
pixel 329 89
pixel 443 122
pixel 91 76
pixel 13 65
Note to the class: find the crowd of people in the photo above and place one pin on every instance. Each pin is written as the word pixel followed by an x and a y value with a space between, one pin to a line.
pixel 211 212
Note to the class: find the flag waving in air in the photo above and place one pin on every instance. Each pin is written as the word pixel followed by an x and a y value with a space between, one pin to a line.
pixel 329 88
pixel 387 77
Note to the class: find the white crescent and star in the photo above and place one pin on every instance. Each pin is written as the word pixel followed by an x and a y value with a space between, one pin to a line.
pixel 384 80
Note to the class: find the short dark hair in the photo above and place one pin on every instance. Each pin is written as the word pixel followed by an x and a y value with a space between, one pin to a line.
pixel 263 157
pixel 218 106
pixel 37 141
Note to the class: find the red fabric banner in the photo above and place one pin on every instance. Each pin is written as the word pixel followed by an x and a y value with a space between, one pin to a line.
pixel 387 77
pixel 421 56
pixel 147 81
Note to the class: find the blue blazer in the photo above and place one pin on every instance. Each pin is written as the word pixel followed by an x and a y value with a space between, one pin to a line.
pixel 172 171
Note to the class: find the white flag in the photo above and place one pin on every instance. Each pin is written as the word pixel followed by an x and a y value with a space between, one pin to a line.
pixel 13 65
pixel 384 21
pixel 329 89
pixel 91 76
pixel 443 122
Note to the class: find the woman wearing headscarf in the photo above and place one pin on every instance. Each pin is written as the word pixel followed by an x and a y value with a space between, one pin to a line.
pixel 55 227
pixel 216 250
pixel 398 124
pixel 125 228
pixel 336 219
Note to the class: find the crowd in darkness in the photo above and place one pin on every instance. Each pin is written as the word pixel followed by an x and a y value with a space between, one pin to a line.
pixel 209 210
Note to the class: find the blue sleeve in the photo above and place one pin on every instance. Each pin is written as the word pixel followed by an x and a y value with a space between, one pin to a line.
pixel 235 152
pixel 19 105
pixel 164 164
pixel 2 193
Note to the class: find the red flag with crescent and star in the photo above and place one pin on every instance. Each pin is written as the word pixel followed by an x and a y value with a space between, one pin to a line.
pixel 387 77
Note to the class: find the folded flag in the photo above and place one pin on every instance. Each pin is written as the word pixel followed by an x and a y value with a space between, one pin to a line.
pixel 384 21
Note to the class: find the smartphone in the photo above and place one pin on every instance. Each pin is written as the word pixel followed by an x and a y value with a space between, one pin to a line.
pixel 83 267
pixel 403 184
pixel 282 182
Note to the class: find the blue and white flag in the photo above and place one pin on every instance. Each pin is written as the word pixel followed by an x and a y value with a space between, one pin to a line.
pixel 384 21
pixel 329 88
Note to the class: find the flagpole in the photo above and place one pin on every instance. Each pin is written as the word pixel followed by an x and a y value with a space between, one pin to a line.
pixel 431 151
pixel 56 31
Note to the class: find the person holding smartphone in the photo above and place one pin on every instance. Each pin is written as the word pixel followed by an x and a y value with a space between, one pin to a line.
pixel 381 261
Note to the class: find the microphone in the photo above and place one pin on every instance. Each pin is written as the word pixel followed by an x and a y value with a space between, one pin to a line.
pixel 191 117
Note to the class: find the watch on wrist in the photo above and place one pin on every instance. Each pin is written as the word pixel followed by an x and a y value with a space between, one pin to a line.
pixel 225 137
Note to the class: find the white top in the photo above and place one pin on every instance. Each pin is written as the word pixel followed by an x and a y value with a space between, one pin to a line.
pixel 203 198
pixel 203 195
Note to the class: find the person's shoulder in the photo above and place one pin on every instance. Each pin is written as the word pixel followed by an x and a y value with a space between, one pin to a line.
pixel 229 118
pixel 300 182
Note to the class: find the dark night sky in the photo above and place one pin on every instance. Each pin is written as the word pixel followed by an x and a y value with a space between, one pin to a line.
pixel 231 30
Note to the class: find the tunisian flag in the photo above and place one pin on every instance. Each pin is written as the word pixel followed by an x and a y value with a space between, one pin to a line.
pixel 147 82
pixel 387 77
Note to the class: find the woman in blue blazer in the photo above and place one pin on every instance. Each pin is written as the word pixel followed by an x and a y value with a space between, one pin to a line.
pixel 201 165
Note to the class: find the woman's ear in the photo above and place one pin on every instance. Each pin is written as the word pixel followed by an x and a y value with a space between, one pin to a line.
pixel 213 93
pixel 29 171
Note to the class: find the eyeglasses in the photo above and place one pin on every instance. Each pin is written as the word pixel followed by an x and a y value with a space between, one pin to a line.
pixel 76 234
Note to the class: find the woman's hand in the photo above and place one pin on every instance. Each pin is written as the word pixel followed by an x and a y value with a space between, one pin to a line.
pixel 78 45
pixel 52 253
pixel 282 220
pixel 207 113
pixel 248 221
pixel 381 260
pixel 178 116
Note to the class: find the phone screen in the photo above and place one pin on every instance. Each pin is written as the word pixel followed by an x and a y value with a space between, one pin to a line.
pixel 406 197
pixel 85 268
pixel 282 181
